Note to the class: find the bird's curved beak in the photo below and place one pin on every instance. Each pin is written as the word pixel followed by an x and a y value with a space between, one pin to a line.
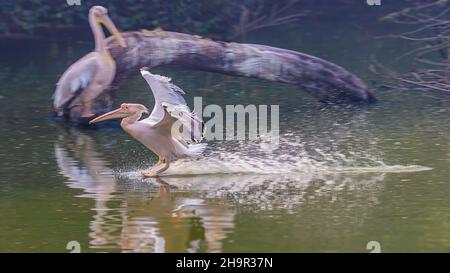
pixel 118 113
pixel 106 21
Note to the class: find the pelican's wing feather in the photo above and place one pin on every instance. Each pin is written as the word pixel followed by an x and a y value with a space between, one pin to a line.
pixel 163 91
pixel 192 125
pixel 169 97
pixel 76 78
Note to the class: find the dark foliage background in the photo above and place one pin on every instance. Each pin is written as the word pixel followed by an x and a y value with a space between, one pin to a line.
pixel 215 18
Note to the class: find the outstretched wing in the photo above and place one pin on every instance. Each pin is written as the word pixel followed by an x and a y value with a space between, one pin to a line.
pixel 76 78
pixel 169 97
pixel 192 125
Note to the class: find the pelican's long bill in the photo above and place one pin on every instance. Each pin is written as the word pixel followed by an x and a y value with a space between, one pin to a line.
pixel 118 113
pixel 104 19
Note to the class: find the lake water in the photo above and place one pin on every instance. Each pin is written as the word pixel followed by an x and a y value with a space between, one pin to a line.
pixel 341 177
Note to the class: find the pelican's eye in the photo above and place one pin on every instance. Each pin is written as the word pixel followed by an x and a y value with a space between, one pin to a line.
pixel 125 107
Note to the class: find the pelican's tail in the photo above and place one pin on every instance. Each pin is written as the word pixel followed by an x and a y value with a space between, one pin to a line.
pixel 196 149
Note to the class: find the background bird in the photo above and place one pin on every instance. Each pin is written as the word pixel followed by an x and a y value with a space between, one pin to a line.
pixel 171 131
pixel 86 79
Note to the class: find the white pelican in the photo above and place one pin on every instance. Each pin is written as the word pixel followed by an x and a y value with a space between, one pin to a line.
pixel 159 132
pixel 86 79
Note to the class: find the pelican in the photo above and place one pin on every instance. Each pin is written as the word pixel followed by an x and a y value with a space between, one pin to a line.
pixel 160 131
pixel 86 79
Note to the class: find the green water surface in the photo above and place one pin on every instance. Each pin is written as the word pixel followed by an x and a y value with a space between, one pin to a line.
pixel 376 173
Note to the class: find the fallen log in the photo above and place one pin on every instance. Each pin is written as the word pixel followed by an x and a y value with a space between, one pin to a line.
pixel 323 80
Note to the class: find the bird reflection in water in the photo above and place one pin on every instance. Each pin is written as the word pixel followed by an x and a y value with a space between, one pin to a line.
pixel 196 213
pixel 147 217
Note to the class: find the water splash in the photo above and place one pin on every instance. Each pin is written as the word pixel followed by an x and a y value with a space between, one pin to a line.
pixel 291 157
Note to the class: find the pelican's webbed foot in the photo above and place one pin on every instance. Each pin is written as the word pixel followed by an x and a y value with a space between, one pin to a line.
pixel 158 169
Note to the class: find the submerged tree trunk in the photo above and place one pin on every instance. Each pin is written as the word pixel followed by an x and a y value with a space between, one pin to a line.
pixel 325 81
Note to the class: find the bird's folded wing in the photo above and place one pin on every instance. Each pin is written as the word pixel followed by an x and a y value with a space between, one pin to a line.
pixel 192 125
pixel 76 78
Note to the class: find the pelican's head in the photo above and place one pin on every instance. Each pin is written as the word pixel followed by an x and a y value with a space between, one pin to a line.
pixel 101 16
pixel 125 110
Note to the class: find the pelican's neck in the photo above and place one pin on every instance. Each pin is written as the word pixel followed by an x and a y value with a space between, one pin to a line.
pixel 97 30
pixel 130 120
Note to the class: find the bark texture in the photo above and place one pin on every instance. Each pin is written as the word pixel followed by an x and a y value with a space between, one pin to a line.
pixel 324 80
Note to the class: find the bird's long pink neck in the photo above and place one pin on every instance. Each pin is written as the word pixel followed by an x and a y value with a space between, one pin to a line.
pixel 97 30
pixel 131 119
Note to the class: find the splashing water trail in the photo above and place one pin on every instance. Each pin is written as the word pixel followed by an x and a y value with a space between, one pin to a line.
pixel 291 157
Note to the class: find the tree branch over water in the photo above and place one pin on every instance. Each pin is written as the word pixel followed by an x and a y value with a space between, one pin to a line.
pixel 431 32
pixel 324 80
